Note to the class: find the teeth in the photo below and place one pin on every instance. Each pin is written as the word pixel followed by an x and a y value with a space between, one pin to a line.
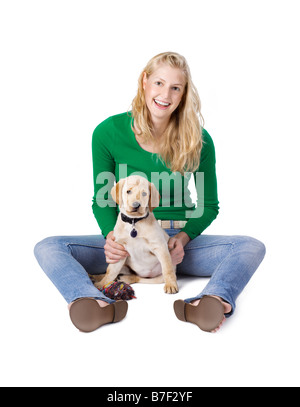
pixel 161 103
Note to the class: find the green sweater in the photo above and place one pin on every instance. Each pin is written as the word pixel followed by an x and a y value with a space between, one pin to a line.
pixel 117 154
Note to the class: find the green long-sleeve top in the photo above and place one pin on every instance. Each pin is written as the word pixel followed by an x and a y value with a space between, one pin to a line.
pixel 117 154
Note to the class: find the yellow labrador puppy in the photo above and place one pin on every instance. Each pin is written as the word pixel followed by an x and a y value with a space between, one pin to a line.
pixel 141 235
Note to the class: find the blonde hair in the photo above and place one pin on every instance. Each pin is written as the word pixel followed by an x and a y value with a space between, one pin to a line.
pixel 182 139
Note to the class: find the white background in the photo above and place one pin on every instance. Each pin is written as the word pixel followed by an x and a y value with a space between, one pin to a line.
pixel 65 67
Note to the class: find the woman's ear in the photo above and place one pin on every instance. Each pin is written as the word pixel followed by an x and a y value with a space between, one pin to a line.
pixel 116 192
pixel 154 197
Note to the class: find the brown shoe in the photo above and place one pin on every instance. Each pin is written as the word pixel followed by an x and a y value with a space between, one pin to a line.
pixel 207 315
pixel 87 315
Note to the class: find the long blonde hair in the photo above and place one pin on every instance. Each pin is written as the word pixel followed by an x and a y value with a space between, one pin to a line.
pixel 182 139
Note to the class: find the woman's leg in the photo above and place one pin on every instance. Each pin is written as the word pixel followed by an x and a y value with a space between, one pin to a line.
pixel 230 261
pixel 67 260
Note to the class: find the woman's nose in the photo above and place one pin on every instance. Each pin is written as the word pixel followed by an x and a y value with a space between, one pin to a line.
pixel 166 94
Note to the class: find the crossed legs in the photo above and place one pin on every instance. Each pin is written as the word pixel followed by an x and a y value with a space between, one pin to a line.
pixel 229 261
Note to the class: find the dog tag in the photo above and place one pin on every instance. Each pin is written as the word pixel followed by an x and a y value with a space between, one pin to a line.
pixel 133 233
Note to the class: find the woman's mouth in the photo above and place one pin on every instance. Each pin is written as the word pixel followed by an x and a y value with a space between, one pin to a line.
pixel 161 105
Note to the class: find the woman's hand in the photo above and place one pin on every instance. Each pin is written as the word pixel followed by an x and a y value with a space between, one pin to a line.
pixel 176 247
pixel 114 252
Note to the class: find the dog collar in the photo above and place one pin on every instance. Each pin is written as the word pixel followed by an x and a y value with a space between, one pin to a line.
pixel 132 221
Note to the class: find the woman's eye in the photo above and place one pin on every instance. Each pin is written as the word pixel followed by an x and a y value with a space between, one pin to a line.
pixel 176 88
pixel 144 193
pixel 158 83
pixel 129 192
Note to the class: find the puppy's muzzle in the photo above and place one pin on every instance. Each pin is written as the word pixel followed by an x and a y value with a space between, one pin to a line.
pixel 136 205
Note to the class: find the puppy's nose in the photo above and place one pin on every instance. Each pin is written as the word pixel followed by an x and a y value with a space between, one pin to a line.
pixel 136 205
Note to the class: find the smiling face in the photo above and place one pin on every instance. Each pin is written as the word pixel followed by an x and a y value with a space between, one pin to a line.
pixel 164 89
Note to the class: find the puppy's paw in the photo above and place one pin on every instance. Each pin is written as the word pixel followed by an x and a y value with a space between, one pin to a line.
pixel 128 279
pixel 171 288
pixel 99 285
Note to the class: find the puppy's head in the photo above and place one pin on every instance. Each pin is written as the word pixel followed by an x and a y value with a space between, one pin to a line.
pixel 135 196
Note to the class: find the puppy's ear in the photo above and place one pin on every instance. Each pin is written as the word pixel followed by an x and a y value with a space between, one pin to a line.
pixel 116 192
pixel 154 197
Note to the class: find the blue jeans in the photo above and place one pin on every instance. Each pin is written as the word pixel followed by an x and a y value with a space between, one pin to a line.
pixel 230 261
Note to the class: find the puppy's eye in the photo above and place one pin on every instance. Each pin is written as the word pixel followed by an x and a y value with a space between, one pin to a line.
pixel 129 191
pixel 144 193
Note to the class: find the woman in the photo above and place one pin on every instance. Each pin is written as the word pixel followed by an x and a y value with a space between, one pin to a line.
pixel 162 137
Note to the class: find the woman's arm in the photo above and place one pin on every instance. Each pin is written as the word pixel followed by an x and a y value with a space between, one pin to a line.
pixel 104 208
pixel 207 195
pixel 207 202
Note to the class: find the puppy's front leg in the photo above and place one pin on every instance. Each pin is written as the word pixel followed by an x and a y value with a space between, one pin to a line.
pixel 168 270
pixel 112 272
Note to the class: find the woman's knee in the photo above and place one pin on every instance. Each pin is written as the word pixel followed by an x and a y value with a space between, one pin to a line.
pixel 46 245
pixel 252 246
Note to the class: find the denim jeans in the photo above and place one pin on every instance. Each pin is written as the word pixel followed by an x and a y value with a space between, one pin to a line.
pixel 230 261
